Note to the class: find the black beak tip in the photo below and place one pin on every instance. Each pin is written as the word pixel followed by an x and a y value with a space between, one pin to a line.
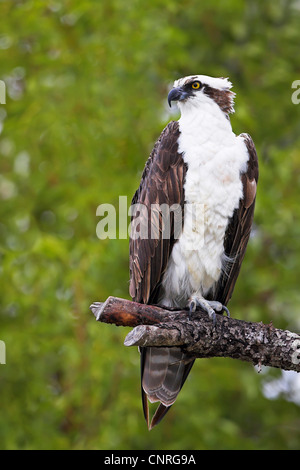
pixel 176 94
pixel 171 97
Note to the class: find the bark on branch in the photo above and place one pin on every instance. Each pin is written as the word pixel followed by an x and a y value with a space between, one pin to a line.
pixel 156 326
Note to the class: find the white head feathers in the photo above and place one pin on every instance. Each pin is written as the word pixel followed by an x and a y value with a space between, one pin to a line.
pixel 196 90
pixel 218 83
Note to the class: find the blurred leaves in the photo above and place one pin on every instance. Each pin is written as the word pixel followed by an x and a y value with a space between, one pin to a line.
pixel 86 99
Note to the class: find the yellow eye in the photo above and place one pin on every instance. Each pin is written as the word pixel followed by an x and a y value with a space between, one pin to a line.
pixel 196 85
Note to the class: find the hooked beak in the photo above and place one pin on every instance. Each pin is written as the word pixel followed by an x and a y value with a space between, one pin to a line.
pixel 177 94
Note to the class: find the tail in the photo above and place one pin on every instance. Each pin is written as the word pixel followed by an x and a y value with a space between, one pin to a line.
pixel 163 373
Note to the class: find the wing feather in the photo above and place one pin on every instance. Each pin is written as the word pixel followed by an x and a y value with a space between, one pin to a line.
pixel 162 183
pixel 239 227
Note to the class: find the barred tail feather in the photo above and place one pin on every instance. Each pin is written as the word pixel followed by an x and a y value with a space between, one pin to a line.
pixel 163 373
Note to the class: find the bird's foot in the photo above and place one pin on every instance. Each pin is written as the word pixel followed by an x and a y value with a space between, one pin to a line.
pixel 210 306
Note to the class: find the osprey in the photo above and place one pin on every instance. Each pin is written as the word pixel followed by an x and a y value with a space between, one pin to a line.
pixel 199 162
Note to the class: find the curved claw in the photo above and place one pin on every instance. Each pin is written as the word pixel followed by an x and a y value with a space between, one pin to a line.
pixel 192 308
pixel 225 309
pixel 210 306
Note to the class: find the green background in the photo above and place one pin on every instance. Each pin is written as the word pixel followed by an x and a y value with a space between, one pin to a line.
pixel 86 87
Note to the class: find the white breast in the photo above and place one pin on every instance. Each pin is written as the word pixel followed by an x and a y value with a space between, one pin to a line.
pixel 215 157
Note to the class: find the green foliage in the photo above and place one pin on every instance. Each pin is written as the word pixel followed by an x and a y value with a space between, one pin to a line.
pixel 86 99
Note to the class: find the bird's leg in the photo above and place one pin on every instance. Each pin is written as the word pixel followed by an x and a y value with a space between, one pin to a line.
pixel 209 306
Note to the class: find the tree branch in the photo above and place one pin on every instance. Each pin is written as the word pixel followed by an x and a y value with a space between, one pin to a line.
pixel 160 326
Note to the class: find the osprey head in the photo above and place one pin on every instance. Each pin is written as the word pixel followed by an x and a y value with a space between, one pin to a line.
pixel 198 89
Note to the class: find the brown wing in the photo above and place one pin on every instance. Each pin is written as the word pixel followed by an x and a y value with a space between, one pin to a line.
pixel 161 183
pixel 239 227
